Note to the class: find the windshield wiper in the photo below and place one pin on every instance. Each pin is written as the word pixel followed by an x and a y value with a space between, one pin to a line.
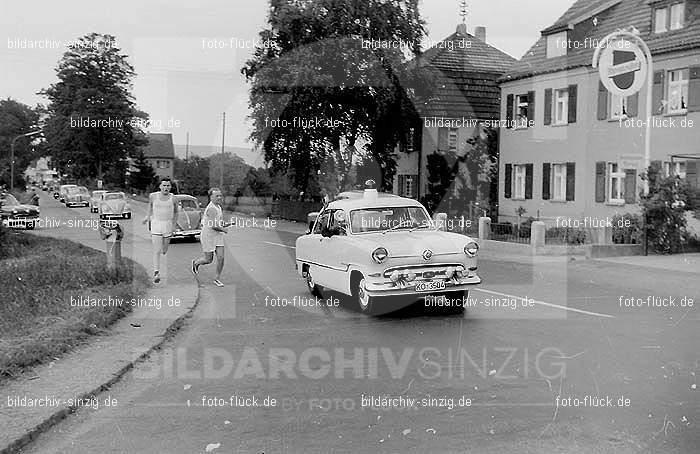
pixel 423 223
pixel 398 226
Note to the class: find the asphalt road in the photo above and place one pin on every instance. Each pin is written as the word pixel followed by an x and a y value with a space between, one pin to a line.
pixel 486 381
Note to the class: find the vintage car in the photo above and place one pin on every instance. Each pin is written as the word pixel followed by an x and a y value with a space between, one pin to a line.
pixel 380 245
pixel 77 197
pixel 95 200
pixel 189 219
pixel 13 214
pixel 114 204
pixel 63 190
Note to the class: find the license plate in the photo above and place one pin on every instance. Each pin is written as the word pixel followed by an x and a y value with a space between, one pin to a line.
pixel 430 286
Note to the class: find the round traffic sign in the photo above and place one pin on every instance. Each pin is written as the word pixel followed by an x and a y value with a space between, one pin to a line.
pixel 622 67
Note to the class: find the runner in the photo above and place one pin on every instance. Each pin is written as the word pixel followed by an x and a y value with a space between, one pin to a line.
pixel 162 212
pixel 212 237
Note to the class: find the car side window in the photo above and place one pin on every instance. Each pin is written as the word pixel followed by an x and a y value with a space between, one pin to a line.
pixel 334 223
pixel 322 222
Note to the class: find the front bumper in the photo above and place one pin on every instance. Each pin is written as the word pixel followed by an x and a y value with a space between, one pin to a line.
pixel 14 223
pixel 383 288
pixel 186 233
pixel 71 203
pixel 115 215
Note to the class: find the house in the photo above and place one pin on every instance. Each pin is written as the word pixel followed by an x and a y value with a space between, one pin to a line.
pixel 581 155
pixel 160 153
pixel 465 70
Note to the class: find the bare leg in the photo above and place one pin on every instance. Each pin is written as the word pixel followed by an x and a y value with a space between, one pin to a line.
pixel 219 261
pixel 157 242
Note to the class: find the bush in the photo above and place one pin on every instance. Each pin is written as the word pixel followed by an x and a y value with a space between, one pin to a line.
pixel 566 235
pixel 664 209
pixel 634 234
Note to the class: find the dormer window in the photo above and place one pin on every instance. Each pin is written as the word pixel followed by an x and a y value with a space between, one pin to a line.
pixel 669 17
pixel 557 44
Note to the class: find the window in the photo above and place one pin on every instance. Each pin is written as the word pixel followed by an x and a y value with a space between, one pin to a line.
pixel 559 182
pixel 660 20
pixel 677 16
pixel 669 18
pixel 452 139
pixel 408 185
pixel 519 181
pixel 443 135
pixel 335 225
pixel 411 138
pixel 676 168
pixel 677 91
pixel 322 222
pixel 616 183
pixel 522 106
pixel 618 106
pixel 561 107
pixel 556 44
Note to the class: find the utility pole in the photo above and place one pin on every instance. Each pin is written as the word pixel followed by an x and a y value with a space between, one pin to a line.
pixel 12 156
pixel 187 158
pixel 223 135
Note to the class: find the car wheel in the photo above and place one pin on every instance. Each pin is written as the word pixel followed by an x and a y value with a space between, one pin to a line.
pixel 314 288
pixel 364 302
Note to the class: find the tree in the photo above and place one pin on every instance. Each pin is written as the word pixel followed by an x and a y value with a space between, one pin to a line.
pixel 235 170
pixel 317 88
pixel 93 120
pixel 194 173
pixel 144 175
pixel 17 119
pixel 258 182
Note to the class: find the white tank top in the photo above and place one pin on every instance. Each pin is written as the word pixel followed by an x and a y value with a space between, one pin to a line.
pixel 163 210
pixel 208 222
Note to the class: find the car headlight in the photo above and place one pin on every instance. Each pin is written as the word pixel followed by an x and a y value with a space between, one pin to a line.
pixel 471 249
pixel 395 276
pixel 15 211
pixel 127 207
pixel 379 255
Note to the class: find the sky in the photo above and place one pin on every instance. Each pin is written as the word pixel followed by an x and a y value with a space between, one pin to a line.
pixel 188 53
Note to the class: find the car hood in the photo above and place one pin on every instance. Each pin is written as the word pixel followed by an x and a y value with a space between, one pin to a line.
pixel 115 205
pixel 189 220
pixel 402 243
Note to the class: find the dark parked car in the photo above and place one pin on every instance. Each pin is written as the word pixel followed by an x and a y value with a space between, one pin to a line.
pixel 77 197
pixel 13 214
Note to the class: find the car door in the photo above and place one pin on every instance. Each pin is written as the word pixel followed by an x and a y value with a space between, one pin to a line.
pixel 313 249
pixel 336 252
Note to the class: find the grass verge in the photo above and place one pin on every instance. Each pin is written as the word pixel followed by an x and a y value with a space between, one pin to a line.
pixel 38 278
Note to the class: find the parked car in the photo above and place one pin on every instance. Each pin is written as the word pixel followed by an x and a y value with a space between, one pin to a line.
pixel 44 187
pixel 62 191
pixel 78 196
pixel 14 214
pixel 96 199
pixel 114 204
pixel 380 245
pixel 189 218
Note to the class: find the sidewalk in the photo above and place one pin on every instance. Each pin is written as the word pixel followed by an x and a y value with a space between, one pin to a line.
pixel 685 263
pixel 69 382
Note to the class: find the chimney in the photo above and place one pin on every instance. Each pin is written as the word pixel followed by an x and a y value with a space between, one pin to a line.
pixel 462 29
pixel 480 33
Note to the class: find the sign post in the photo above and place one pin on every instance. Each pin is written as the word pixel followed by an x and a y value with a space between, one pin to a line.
pixel 624 63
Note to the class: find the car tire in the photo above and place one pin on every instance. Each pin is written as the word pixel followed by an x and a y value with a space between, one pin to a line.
pixel 365 303
pixel 311 285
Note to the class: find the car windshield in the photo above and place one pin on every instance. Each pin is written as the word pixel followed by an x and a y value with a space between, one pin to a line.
pixel 381 219
pixel 114 196
pixel 188 204
pixel 73 191
pixel 97 193
pixel 9 200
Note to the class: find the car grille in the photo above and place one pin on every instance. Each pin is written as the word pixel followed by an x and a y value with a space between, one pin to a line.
pixel 425 271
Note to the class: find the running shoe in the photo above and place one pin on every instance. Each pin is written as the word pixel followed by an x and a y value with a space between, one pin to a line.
pixel 218 283
pixel 195 267
pixel 156 277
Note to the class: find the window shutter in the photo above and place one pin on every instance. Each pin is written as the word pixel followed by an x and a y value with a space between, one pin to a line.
pixel 570 181
pixel 655 173
pixel 528 181
pixel 630 186
pixel 691 173
pixel 530 107
pixel 402 185
pixel 546 174
pixel 602 101
pixel 508 181
pixel 694 89
pixel 443 139
pixel 633 105
pixel 657 93
pixel 573 89
pixel 600 181
pixel 418 137
pixel 509 111
pixel 548 106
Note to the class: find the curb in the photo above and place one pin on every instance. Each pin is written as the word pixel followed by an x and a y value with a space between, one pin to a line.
pixel 60 415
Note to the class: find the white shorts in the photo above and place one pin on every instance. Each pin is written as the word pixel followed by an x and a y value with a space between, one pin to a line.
pixel 162 228
pixel 210 240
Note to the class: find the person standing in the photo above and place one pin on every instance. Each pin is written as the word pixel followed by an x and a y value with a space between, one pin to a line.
pixel 212 236
pixel 162 213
